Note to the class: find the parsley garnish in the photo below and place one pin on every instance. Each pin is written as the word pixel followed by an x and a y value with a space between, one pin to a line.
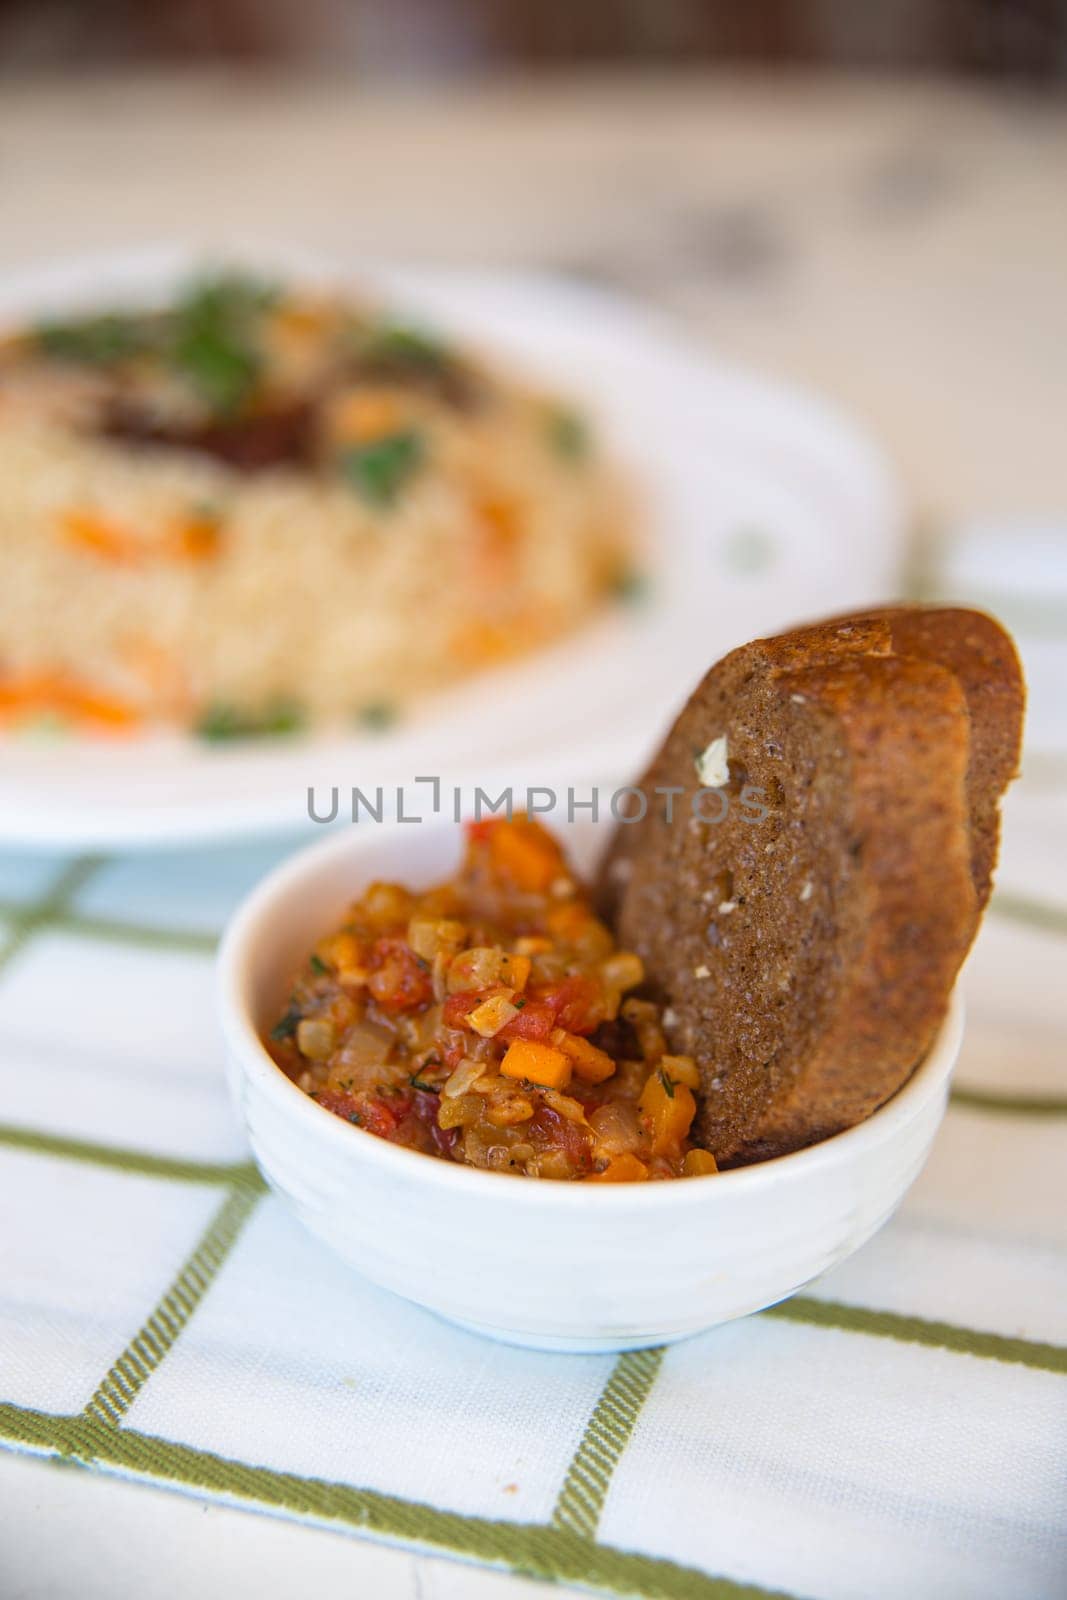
pixel 377 715
pixel 100 341
pixel 221 722
pixel 214 338
pixel 630 587
pixel 568 434
pixel 286 1026
pixel 317 964
pixel 668 1086
pixel 379 469
pixel 392 346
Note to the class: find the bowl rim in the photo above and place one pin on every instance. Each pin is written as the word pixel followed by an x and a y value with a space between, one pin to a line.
pixel 235 962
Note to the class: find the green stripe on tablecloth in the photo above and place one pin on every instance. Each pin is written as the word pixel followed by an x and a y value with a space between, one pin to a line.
pixel 918 1330
pixel 141 1162
pixel 801 1308
pixel 1010 1105
pixel 120 1387
pixel 606 1436
pixel 26 920
pixel 533 1550
pixel 1031 913
pixel 113 930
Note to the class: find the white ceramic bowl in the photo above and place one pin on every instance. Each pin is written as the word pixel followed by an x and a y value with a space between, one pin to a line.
pixel 553 1265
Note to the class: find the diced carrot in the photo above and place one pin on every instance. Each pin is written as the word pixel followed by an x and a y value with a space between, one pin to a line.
pixel 569 921
pixel 44 693
pixel 699 1164
pixel 523 854
pixel 101 535
pixel 515 971
pixel 195 539
pixel 540 1063
pixel 589 1062
pixel 502 516
pixel 621 1169
pixel 479 641
pixel 681 1069
pixel 669 1109
pixel 92 706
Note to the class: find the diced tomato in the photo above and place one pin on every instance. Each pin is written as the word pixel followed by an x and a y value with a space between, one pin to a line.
pixel 345 1106
pixel 553 1131
pixel 458 1007
pixel 577 1003
pixel 379 1114
pixel 453 1050
pixel 536 1021
pixel 383 1116
pixel 398 980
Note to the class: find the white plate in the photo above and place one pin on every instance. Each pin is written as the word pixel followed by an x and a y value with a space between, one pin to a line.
pixel 762 507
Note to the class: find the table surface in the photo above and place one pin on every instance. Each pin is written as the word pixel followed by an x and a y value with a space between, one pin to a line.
pixel 900 247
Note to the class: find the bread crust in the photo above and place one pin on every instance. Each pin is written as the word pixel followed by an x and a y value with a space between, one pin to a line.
pixel 812 976
pixel 983 657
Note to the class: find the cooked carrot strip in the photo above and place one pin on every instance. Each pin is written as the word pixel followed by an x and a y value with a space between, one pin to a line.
pixel 101 535
pixel 621 1169
pixel 524 854
pixel 195 539
pixel 669 1109
pixel 192 538
pixel 540 1063
pixel 43 693
pixel 588 1061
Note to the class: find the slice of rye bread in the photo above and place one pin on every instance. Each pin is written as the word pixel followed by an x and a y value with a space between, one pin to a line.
pixel 807 943
pixel 984 658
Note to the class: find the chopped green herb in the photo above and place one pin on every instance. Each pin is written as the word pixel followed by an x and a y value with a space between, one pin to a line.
pixel 214 338
pixel 416 1082
pixel 666 1082
pixel 519 1003
pixel 393 345
pixel 568 434
pixel 99 341
pixel 286 1026
pixel 224 371
pixel 317 964
pixel 630 586
pixel 378 715
pixel 221 723
pixel 226 297
pixel 380 469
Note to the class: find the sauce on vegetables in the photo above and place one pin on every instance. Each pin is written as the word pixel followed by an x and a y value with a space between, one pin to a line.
pixel 492 1021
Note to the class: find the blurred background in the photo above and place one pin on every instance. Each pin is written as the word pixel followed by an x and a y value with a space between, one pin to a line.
pixel 1023 38
pixel 867 199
